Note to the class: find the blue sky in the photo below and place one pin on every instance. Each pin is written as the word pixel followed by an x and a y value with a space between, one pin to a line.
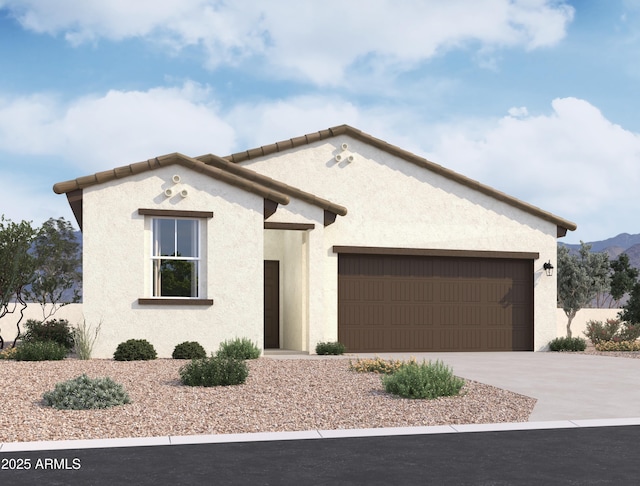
pixel 536 98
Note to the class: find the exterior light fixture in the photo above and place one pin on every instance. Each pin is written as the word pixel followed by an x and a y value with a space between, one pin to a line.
pixel 548 268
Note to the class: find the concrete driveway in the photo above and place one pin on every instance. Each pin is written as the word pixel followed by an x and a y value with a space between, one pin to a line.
pixel 568 386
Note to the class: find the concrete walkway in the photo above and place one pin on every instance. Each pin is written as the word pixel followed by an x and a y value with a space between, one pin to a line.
pixel 567 386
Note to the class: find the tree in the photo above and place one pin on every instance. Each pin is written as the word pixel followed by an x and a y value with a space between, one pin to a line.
pixel 17 267
pixel 58 261
pixel 623 279
pixel 580 278
pixel 631 310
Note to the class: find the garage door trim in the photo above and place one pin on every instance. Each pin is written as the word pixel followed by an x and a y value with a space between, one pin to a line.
pixel 374 250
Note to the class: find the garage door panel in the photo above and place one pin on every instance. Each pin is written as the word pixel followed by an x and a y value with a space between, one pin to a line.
pixel 417 303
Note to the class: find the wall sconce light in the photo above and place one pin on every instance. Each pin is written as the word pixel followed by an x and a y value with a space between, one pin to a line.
pixel 548 268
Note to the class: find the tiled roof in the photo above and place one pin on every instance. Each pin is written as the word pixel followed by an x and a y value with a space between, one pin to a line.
pixel 220 163
pixel 235 179
pixel 563 224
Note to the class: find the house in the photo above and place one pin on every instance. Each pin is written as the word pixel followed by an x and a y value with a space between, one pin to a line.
pixel 335 235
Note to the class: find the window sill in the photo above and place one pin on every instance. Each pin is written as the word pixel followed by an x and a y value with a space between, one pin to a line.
pixel 177 301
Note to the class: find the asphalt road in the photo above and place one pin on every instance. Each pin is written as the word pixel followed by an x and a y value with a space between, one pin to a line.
pixel 580 456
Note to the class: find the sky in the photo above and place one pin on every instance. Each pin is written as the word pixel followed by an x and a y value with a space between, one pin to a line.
pixel 535 98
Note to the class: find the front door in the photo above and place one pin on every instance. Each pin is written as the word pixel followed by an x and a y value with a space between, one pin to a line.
pixel 271 304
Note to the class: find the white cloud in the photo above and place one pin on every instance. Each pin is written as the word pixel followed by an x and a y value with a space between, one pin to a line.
pixel 117 128
pixel 572 162
pixel 318 41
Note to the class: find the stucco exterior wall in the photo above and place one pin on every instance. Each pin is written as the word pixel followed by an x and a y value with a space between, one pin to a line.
pixel 117 271
pixel 579 323
pixel 8 329
pixel 394 203
pixel 298 273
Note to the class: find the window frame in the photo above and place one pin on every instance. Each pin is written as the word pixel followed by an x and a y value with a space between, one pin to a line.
pixel 201 219
pixel 157 259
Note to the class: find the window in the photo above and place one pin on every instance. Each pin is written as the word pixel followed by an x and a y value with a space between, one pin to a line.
pixel 176 257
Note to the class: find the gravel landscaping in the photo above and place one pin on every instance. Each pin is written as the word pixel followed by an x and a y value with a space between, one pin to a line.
pixel 279 395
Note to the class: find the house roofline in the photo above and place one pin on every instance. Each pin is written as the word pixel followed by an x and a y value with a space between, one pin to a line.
pixel 226 165
pixel 165 161
pixel 562 224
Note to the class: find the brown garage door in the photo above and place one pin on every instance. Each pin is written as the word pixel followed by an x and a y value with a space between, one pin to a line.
pixel 430 303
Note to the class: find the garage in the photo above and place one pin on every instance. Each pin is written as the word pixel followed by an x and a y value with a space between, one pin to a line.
pixel 427 300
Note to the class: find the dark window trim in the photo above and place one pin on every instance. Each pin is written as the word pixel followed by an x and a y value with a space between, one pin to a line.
pixel 289 226
pixel 169 301
pixel 173 213
pixel 371 250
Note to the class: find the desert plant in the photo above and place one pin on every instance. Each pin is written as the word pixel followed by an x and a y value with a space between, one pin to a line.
pixel 40 351
pixel 376 365
pixel 423 380
pixel 214 371
pixel 56 330
pixel 8 353
pixel 84 393
pixel 239 348
pixel 189 350
pixel 84 339
pixel 611 330
pixel 618 346
pixel 568 344
pixel 334 348
pixel 135 350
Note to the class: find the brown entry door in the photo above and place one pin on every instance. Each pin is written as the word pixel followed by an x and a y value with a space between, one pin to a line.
pixel 271 304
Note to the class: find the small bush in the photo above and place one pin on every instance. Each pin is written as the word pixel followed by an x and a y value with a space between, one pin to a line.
pixel 334 348
pixel 53 330
pixel 189 350
pixel 568 344
pixel 612 330
pixel 239 348
pixel 214 371
pixel 135 350
pixel 85 339
pixel 629 332
pixel 423 380
pixel 376 365
pixel 9 353
pixel 618 346
pixel 84 393
pixel 40 351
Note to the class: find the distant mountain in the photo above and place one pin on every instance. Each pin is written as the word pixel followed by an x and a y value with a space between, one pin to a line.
pixel 614 247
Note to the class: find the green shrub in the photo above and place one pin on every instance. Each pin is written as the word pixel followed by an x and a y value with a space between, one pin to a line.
pixel 84 393
pixel 423 380
pixel 568 344
pixel 40 351
pixel 612 330
pixel 214 371
pixel 53 330
pixel 376 365
pixel 239 348
pixel 335 348
pixel 618 346
pixel 189 350
pixel 135 350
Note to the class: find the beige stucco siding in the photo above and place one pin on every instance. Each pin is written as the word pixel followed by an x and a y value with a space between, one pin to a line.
pixel 394 203
pixel 119 274
pixel 301 274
